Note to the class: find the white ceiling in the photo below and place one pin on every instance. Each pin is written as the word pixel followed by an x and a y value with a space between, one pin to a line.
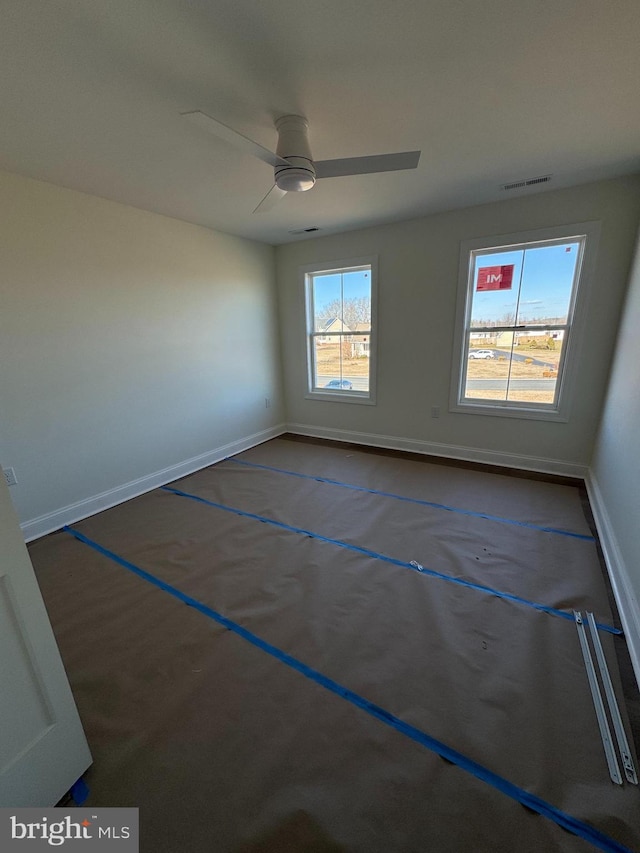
pixel 492 91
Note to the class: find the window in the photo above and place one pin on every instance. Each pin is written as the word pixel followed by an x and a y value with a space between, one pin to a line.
pixel 519 308
pixel 340 300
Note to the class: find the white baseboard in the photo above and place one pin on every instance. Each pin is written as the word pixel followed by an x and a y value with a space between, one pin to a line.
pixel 448 451
pixel 623 590
pixel 44 524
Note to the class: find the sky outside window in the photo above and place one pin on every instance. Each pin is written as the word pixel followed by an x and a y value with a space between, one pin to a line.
pixel 541 289
pixel 355 284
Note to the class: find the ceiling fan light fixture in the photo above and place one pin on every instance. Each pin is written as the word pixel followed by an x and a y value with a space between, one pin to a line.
pixel 296 179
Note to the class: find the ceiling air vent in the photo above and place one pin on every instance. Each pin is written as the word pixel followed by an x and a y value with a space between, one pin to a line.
pixel 305 230
pixel 527 182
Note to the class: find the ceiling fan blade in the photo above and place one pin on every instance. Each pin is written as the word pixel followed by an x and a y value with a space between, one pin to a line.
pixel 234 138
pixel 366 165
pixel 271 199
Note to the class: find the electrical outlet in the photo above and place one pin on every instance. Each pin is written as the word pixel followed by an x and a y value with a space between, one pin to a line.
pixel 9 476
pixel 435 411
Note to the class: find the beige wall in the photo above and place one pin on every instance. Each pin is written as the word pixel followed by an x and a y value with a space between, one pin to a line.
pixel 130 342
pixel 615 474
pixel 418 275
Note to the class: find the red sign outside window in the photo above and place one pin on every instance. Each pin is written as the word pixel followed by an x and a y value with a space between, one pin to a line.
pixel 495 278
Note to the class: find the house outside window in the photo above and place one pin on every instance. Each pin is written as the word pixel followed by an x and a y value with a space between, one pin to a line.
pixel 340 312
pixel 520 306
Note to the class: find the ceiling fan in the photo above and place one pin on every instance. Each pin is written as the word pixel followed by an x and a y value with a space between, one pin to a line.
pixel 294 167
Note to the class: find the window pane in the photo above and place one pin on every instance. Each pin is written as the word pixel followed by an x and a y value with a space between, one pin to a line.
pixel 345 297
pixel 534 367
pixel 487 372
pixel 526 286
pixel 327 298
pixel 547 282
pixel 356 296
pixel 519 367
pixel 342 362
pixel 495 289
pixel 355 361
pixel 327 360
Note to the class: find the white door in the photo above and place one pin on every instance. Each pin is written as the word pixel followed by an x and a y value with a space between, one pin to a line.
pixel 43 750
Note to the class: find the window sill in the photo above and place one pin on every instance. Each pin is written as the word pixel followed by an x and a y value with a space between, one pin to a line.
pixel 341 397
pixel 504 411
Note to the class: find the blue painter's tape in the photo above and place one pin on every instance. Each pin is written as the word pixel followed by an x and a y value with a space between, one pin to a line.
pixel 418 501
pixel 563 614
pixel 79 792
pixel 520 795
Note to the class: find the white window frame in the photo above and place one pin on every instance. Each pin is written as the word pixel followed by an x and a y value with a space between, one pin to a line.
pixel 323 268
pixel 589 232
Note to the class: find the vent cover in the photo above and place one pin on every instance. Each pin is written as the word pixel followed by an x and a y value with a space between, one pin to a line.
pixel 527 182
pixel 305 230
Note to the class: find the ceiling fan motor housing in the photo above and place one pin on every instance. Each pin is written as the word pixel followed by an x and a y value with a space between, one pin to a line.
pixel 293 146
